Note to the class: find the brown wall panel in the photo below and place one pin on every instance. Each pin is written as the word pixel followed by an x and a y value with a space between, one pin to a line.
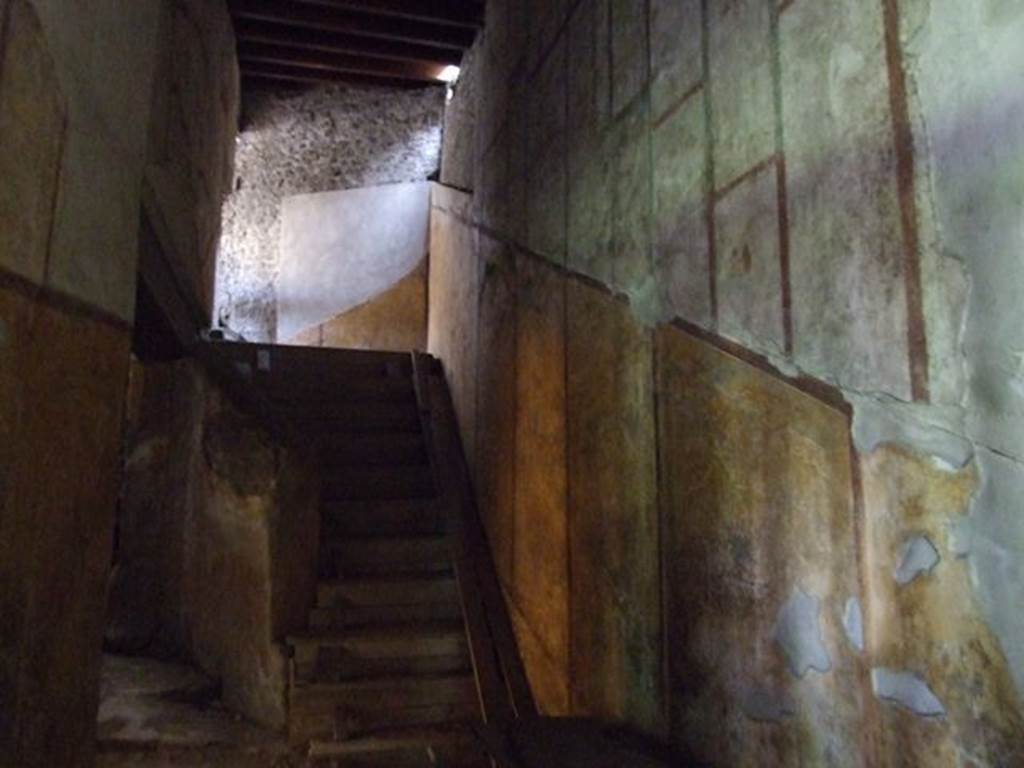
pixel 496 402
pixel 60 419
pixel 541 576
pixel 616 613
pixel 760 552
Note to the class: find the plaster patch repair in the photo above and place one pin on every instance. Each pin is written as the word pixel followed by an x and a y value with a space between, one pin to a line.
pixel 798 633
pixel 919 557
pixel 853 623
pixel 906 690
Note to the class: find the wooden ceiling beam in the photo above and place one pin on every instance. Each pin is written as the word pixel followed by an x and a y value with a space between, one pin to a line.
pixel 309 39
pixel 421 71
pixel 457 13
pixel 268 80
pixel 255 70
pixel 340 20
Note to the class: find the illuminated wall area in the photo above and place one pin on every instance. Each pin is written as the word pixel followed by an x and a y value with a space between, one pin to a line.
pixel 730 313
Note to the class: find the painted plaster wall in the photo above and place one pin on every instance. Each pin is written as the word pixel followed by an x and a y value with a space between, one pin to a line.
pixel 76 97
pixel 337 251
pixel 299 142
pixel 815 211
pixel 218 535
pixel 394 320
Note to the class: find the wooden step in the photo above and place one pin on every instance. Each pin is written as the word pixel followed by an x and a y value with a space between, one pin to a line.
pixel 372 592
pixel 364 707
pixel 390 555
pixel 385 601
pixel 362 389
pixel 296 361
pixel 383 517
pixel 377 449
pixel 398 640
pixel 339 420
pixel 360 483
pixel 405 748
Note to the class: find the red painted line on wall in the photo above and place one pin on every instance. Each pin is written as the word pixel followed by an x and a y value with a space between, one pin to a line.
pixel 903 137
pixel 784 273
pixel 745 176
pixel 678 104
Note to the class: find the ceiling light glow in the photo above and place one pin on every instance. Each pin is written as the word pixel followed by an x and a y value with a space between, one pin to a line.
pixel 449 74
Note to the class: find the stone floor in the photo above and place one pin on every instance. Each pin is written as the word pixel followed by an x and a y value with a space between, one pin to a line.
pixel 156 713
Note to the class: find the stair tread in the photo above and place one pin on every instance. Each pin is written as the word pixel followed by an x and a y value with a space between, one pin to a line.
pixel 437 683
pixel 395 739
pixel 376 590
pixel 384 630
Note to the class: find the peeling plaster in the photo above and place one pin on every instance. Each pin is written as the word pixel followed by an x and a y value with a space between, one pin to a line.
pixel 798 633
pixel 933 430
pixel 919 556
pixel 906 690
pixel 853 623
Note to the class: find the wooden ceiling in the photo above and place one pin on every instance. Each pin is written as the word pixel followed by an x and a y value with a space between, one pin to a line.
pixel 396 42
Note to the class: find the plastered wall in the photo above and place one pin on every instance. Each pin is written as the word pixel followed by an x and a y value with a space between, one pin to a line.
pixel 323 139
pixel 218 528
pixel 77 91
pixel 727 318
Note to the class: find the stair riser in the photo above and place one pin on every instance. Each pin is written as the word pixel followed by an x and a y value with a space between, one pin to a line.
pixel 369 389
pixel 344 618
pixel 372 593
pixel 382 518
pixel 399 450
pixel 370 483
pixel 328 668
pixel 319 717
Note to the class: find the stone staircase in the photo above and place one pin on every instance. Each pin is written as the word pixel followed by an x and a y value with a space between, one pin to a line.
pixel 383 674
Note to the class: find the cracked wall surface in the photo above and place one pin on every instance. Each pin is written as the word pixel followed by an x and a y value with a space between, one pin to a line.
pixel 324 139
pixel 814 209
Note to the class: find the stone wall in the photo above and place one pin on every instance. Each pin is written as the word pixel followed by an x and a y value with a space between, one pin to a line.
pixel 749 461
pixel 325 139
pixel 76 94
pixel 217 539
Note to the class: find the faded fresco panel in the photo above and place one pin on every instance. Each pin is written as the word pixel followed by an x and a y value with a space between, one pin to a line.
pixel 742 87
pixel 451 326
pixel 760 558
pixel 53 617
pixel 680 214
pixel 496 402
pixel 541 569
pixel 748 266
pixel 616 610
pixel 32 118
pixel 849 299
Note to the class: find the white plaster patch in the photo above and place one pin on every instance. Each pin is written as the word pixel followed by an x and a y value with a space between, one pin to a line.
pixel 906 690
pixel 764 704
pixel 919 557
pixel 797 631
pixel 853 623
